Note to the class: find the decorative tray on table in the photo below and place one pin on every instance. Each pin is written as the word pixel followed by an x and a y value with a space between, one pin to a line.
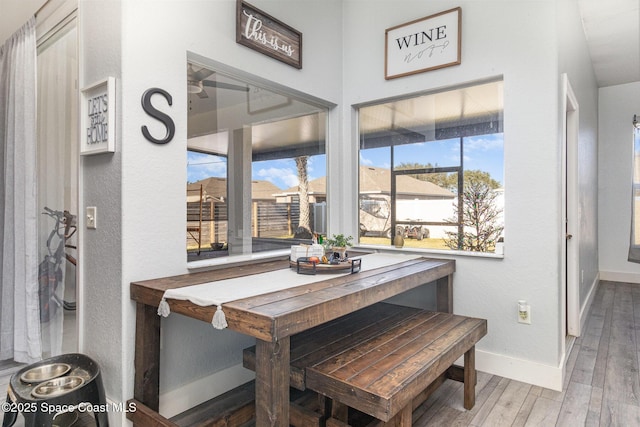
pixel 304 265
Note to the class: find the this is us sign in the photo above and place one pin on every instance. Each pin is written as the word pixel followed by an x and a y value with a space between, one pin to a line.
pixel 424 44
pixel 264 33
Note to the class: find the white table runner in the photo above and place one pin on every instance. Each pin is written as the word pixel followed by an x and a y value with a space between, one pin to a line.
pixel 219 292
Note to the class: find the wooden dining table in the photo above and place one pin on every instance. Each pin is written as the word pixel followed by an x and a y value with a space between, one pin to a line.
pixel 273 318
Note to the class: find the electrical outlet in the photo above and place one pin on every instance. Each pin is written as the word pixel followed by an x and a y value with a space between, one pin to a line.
pixel 524 312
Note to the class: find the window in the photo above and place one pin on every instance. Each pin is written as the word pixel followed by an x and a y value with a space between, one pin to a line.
pixel 431 169
pixel 256 167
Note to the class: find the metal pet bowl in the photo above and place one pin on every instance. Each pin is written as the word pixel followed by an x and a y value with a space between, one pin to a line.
pixel 57 386
pixel 65 419
pixel 81 383
pixel 45 373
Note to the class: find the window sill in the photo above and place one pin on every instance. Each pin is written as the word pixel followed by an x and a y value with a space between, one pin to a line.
pixel 436 253
pixel 238 259
pixel 263 256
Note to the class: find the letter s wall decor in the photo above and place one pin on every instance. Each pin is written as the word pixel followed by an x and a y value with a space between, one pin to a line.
pixel 158 115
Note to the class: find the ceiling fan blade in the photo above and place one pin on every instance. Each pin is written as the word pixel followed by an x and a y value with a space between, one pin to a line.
pixel 203 94
pixel 201 74
pixel 223 85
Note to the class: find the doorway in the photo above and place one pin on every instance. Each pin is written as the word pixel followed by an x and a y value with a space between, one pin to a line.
pixel 569 253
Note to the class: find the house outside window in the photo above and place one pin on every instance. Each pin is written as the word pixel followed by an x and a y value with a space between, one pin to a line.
pixel 431 169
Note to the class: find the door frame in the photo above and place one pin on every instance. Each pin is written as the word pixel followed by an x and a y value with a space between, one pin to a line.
pixel 569 277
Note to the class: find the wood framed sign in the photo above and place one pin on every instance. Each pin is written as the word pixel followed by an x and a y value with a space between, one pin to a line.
pixel 424 44
pixel 262 32
pixel 98 118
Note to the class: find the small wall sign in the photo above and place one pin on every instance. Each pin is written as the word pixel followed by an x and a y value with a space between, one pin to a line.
pixel 260 31
pixel 424 44
pixel 98 119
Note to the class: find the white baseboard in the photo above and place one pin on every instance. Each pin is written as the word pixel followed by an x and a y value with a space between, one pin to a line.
pixel 196 392
pixel 619 276
pixel 529 372
pixel 192 394
pixel 520 370
pixel 584 310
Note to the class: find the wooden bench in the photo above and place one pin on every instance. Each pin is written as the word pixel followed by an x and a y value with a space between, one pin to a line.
pixel 381 360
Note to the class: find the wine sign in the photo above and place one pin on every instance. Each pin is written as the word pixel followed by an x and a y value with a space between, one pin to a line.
pixel 98 119
pixel 260 31
pixel 423 45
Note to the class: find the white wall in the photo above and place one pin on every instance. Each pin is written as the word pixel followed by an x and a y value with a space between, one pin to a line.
pixel 617 104
pixel 497 39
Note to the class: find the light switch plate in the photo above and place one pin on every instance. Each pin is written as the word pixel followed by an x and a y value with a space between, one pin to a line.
pixel 91 217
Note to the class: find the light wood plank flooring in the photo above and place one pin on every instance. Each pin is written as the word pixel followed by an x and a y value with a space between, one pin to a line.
pixel 602 386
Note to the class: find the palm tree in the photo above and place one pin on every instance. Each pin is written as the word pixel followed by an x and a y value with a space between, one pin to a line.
pixel 303 188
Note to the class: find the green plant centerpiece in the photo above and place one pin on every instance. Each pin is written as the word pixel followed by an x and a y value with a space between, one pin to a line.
pixel 338 245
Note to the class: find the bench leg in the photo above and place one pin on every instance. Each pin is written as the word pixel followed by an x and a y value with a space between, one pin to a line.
pixel 470 378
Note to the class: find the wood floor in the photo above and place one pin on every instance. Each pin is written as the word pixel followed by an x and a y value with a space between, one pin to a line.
pixel 602 386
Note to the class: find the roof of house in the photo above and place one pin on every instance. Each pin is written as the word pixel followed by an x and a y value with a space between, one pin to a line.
pixel 217 188
pixel 378 180
pixel 372 180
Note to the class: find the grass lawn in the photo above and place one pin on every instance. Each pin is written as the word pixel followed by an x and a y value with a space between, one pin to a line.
pixel 408 243
pixel 381 241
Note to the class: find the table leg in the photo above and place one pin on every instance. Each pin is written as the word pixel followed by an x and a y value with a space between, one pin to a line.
pixel 147 356
pixel 272 383
pixel 444 294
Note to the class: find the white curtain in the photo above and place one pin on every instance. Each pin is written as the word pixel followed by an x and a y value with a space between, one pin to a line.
pixel 20 312
pixel 57 175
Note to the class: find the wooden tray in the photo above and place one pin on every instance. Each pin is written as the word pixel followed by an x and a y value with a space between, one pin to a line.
pixel 303 266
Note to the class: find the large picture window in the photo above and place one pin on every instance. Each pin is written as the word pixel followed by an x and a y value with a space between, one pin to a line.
pixel 256 167
pixel 431 169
